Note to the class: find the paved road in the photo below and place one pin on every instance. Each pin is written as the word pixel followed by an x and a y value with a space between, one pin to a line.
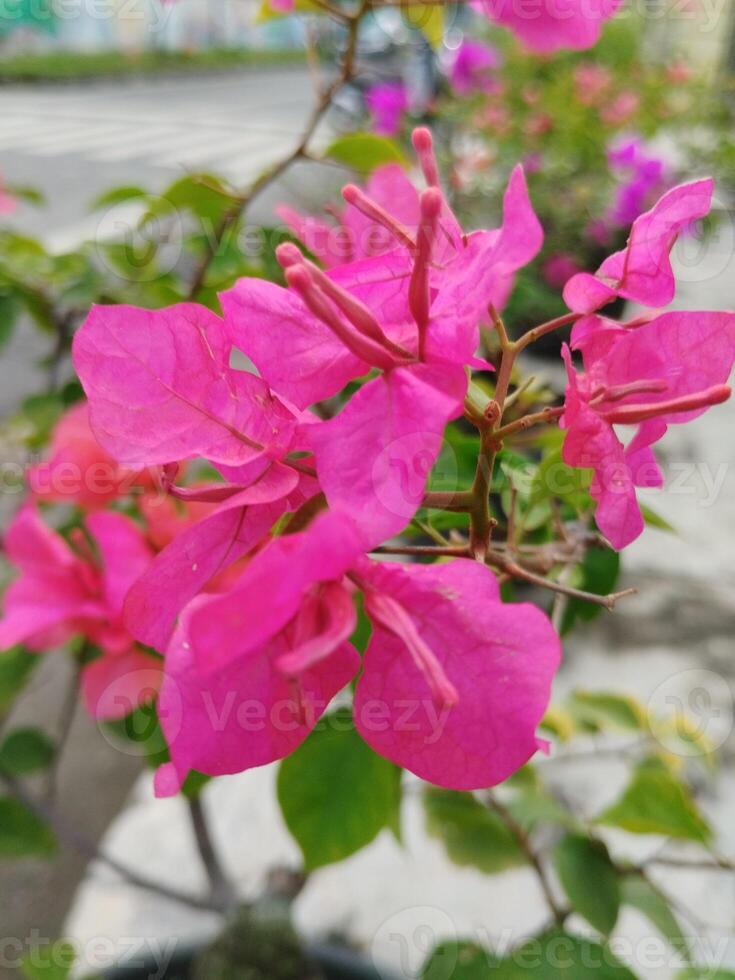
pixel 73 141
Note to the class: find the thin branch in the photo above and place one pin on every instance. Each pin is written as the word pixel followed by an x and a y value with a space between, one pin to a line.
pixel 558 913
pixel 233 214
pixel 716 864
pixel 222 890
pixel 515 570
pixel 531 336
pixel 69 834
pixel 66 720
pixel 432 551
pixel 535 418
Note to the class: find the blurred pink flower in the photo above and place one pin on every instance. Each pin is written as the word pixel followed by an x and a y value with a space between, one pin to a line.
pixel 388 103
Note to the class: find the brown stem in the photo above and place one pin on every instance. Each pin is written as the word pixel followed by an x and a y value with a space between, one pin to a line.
pixel 461 501
pixel 515 570
pixel 531 336
pixel 221 888
pixel 535 418
pixel 233 214
pixel 434 551
pixel 558 913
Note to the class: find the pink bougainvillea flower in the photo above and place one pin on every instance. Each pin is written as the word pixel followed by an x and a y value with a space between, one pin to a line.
pixel 387 103
pixel 662 371
pixel 474 675
pixel 591 82
pixel 643 175
pixel 642 271
pixel 161 389
pixel 8 203
pixel 621 109
pixel 61 593
pixel 559 268
pixel 550 25
pixel 473 67
pixel 199 553
pixel 79 470
pixel 354 235
pixel 413 314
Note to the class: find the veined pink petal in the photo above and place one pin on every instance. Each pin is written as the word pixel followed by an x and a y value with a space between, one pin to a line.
pixel 373 459
pixel 295 352
pixel 642 271
pixel 160 389
pixel 499 658
pixel 124 553
pixel 248 712
pixel 113 686
pixel 282 573
pixel 199 553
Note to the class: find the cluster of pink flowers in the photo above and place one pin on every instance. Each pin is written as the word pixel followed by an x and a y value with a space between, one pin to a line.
pixel 252 605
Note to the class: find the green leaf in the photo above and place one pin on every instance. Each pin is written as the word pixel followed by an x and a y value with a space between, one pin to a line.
pixel 655 802
pixel 589 879
pixel 26 750
pixel 203 195
pixel 656 520
pixel 599 573
pixel 641 895
pixel 118 195
pixel 10 310
pixel 364 152
pixel 552 956
pixel 22 833
pixel 53 961
pixel 608 710
pixel 16 666
pixel 530 807
pixel 554 479
pixel 471 833
pixel 336 794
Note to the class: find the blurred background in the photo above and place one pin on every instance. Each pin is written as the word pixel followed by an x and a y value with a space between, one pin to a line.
pixel 140 95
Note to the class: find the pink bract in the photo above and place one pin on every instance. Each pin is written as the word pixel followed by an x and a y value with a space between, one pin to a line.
pixel 546 27
pixel 642 271
pixel 666 371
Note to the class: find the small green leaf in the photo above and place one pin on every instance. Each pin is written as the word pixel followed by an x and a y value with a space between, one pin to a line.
pixel 53 961
pixel 22 833
pixel 641 895
pixel 608 710
pixel 655 802
pixel 364 152
pixel 16 666
pixel 552 956
pixel 26 750
pixel 119 195
pixel 600 570
pixel 589 879
pixel 471 833
pixel 336 794
pixel 656 520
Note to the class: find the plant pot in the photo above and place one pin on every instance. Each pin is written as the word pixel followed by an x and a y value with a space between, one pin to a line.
pixel 335 962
